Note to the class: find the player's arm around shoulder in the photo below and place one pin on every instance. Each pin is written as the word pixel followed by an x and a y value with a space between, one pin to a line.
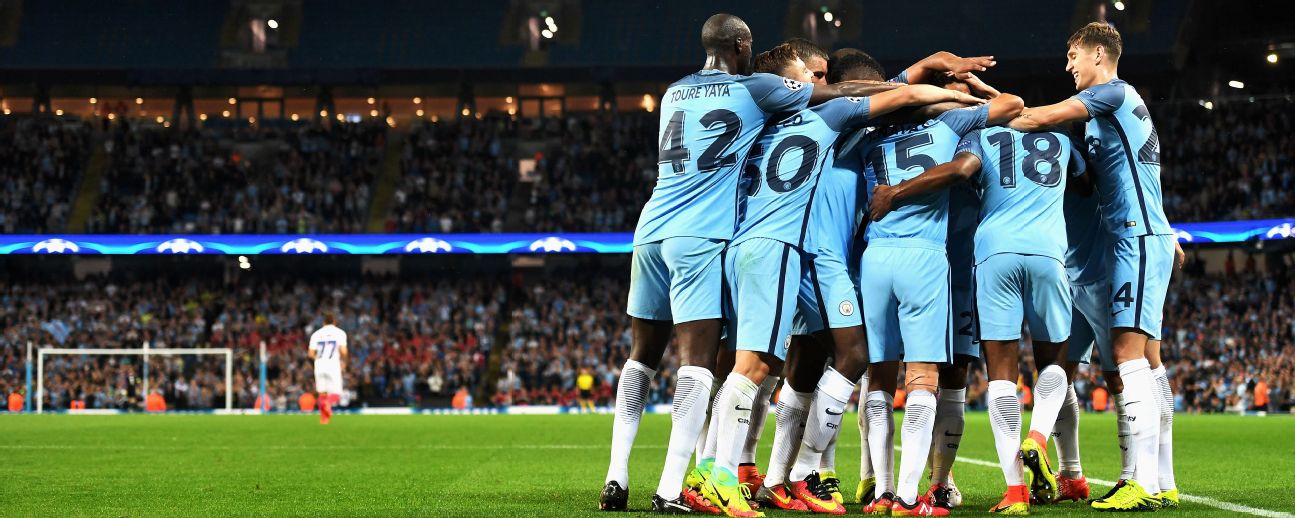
pixel 1041 118
pixel 1003 107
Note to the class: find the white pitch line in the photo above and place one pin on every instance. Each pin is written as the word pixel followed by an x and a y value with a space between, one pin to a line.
pixel 1218 504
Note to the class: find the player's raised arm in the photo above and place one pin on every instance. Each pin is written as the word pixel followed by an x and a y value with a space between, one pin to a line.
pixel 884 197
pixel 942 62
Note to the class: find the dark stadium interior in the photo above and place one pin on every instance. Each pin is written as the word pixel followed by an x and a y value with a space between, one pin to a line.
pixel 207 118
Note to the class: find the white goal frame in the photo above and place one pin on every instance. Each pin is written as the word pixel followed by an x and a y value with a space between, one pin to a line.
pixel 146 352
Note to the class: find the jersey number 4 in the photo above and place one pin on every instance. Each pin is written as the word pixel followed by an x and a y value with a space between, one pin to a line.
pixel 715 156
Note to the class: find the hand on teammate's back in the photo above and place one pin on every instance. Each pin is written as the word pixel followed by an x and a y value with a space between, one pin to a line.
pixel 883 201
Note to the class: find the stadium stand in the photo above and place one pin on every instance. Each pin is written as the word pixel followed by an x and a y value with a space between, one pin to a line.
pixel 238 180
pixel 40 165
pixel 1231 339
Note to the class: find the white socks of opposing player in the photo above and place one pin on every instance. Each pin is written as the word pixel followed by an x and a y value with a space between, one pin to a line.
pixel 919 422
pixel 1049 395
pixel 734 411
pixel 631 396
pixel 1143 409
pixel 1128 458
pixel 790 418
pixel 950 419
pixel 1066 433
pixel 1166 428
pixel 759 413
pixel 1005 421
pixel 880 409
pixel 823 423
pixel 688 417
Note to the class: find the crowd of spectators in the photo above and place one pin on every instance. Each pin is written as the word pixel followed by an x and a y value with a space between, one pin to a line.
pixel 41 161
pixel 593 172
pixel 1229 341
pixel 564 324
pixel 408 341
pixel 1234 162
pixel 596 176
pixel 273 180
pixel 456 177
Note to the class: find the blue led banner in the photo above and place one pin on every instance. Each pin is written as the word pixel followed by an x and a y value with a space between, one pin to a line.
pixel 381 244
pixel 371 244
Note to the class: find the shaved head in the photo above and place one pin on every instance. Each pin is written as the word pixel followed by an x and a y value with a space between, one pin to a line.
pixel 727 41
pixel 854 65
pixel 722 31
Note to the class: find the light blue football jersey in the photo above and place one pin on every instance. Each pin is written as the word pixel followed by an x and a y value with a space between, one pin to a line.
pixel 897 153
pixel 835 215
pixel 709 121
pixel 1088 255
pixel 1022 182
pixel 785 169
pixel 1124 151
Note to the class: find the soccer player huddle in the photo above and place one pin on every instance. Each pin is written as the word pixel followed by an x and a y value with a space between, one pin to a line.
pixel 818 224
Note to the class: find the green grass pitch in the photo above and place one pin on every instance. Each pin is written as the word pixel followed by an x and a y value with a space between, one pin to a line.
pixel 289 465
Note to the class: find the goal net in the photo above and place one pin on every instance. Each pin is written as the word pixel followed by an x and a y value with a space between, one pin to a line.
pixel 192 378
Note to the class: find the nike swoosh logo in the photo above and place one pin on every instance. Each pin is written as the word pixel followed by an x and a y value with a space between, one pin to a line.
pixel 740 409
pixel 830 412
pixel 1118 312
pixel 784 500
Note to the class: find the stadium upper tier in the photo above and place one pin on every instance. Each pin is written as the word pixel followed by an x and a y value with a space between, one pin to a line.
pixel 498 173
pixel 396 35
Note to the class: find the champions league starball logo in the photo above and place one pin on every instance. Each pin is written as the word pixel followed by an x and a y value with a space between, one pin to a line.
pixel 180 246
pixel 553 244
pixel 55 246
pixel 303 246
pixel 1282 231
pixel 428 245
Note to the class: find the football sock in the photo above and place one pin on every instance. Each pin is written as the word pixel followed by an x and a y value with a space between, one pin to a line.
pixel 631 395
pixel 789 416
pixel 712 431
pixel 880 408
pixel 1143 408
pixel 1005 421
pixel 734 413
pixel 865 459
pixel 759 413
pixel 1166 429
pixel 949 422
pixel 919 422
pixel 1066 433
pixel 1049 394
pixel 1128 460
pixel 687 416
pixel 824 420
pixel 827 461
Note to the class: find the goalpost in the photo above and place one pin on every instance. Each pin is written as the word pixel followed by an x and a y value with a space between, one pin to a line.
pixel 144 351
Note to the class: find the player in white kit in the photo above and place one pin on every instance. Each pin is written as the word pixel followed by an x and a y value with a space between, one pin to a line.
pixel 328 349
